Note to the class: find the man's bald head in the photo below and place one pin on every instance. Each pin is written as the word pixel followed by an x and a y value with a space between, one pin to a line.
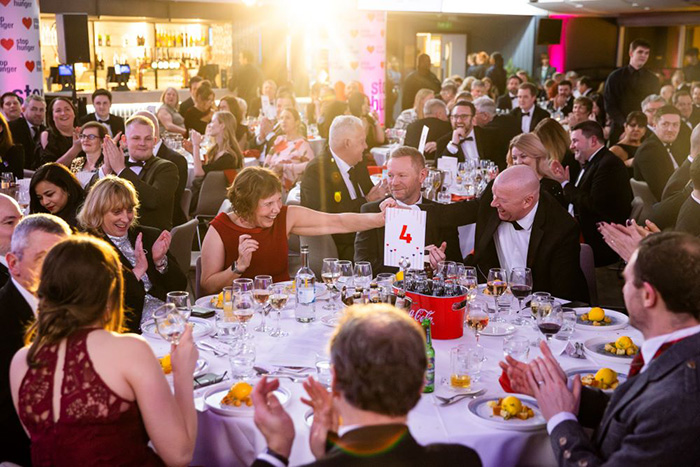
pixel 516 191
pixel 10 215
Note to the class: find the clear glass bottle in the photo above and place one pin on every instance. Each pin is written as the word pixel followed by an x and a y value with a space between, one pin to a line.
pixel 305 282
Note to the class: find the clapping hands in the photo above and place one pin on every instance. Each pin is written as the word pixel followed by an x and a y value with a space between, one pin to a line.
pixel 326 418
pixel 624 239
pixel 113 156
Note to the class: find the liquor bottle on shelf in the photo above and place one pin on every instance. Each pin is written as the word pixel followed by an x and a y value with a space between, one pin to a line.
pixel 430 356
pixel 108 40
pixel 99 40
pixel 305 289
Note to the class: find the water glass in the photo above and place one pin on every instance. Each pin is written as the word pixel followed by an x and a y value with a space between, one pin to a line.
pixel 226 323
pixel 182 302
pixel 460 368
pixel 517 347
pixel 169 323
pixel 242 360
pixel 568 325
pixel 363 274
pixel 323 369
pixel 385 281
pixel 444 196
pixel 473 360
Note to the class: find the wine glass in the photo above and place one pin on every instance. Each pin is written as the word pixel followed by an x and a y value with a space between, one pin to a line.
pixel 243 310
pixel 517 347
pixel 385 281
pixel 497 283
pixel 347 272
pixel 540 300
pixel 278 299
pixel 549 319
pixel 261 294
pixel 520 283
pixel 477 318
pixel 182 302
pixel 244 284
pixel 169 323
pixel 363 274
pixel 330 273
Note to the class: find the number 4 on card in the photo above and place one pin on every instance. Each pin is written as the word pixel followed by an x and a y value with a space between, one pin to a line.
pixel 404 236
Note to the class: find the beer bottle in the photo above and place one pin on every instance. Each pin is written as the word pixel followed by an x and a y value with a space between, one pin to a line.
pixel 430 354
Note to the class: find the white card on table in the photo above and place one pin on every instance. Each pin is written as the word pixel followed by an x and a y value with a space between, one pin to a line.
pixel 448 163
pixel 404 237
pixel 423 138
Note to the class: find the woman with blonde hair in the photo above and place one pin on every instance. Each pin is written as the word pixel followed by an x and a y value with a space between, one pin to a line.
pixel 527 149
pixel 409 116
pixel 556 140
pixel 87 394
pixel 168 115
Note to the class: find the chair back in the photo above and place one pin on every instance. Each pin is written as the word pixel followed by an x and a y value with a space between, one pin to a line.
pixel 198 279
pixel 181 244
pixel 212 193
pixel 320 247
pixel 185 202
pixel 588 267
pixel 641 190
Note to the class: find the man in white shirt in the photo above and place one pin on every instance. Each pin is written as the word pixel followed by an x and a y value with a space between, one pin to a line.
pixel 467 142
pixel 528 114
pixel 102 102
pixel 10 215
pixel 33 237
pixel 652 418
pixel 509 100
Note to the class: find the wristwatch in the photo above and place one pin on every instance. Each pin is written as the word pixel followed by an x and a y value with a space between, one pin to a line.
pixel 235 269
pixel 277 456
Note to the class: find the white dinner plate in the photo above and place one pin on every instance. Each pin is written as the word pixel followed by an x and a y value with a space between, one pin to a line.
pixel 591 370
pixel 201 328
pixel 479 409
pixel 497 329
pixel 330 320
pixel 205 302
pixel 213 397
pixel 619 321
pixel 595 348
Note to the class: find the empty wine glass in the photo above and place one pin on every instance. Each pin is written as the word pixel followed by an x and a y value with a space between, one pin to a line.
pixel 278 299
pixel 363 274
pixel 261 294
pixel 330 273
pixel 520 283
pixel 182 302
pixel 243 310
pixel 169 323
pixel 517 347
pixel 497 283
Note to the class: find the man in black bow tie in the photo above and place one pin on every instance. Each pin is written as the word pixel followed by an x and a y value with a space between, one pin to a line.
pixel 102 101
pixel 26 130
pixel 466 142
pixel 155 179
pixel 528 114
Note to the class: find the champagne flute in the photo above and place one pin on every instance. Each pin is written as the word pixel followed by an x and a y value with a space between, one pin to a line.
pixel 497 283
pixel 278 299
pixel 521 285
pixel 330 273
pixel 261 294
pixel 243 310
pixel 182 302
pixel 477 318
pixel 169 323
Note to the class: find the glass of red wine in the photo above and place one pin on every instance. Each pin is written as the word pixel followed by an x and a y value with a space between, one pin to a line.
pixel 549 323
pixel 520 283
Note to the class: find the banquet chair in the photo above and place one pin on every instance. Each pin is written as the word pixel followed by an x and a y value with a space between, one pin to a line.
pixel 211 195
pixel 320 247
pixel 181 244
pixel 642 190
pixel 588 267
pixel 225 207
pixel 198 279
pixel 185 202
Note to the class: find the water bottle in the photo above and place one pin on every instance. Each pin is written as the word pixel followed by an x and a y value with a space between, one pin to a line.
pixel 305 282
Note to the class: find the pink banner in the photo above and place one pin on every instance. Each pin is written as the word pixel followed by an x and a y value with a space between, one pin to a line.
pixel 20 54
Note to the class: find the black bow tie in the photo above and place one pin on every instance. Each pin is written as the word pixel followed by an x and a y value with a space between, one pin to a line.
pixel 526 114
pixel 131 163
pixel 516 226
pixel 103 121
pixel 468 138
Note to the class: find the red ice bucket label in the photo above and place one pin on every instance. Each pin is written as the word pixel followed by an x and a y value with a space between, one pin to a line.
pixel 446 314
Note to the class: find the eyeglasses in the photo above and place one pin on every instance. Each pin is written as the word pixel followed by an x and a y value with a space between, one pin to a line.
pixel 462 116
pixel 88 137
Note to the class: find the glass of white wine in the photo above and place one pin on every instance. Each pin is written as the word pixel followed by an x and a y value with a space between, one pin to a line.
pixel 496 284
pixel 330 273
pixel 261 294
pixel 243 310
pixel 278 299
pixel 169 323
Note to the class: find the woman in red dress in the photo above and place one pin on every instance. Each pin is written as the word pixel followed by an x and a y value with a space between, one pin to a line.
pixel 87 395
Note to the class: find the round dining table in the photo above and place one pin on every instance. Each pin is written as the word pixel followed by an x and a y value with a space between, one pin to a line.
pixel 235 440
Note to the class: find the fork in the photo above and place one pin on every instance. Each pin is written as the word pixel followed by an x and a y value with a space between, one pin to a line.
pixel 458 397
pixel 207 347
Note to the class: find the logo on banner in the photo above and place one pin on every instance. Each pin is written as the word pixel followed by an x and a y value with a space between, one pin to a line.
pixel 7 43
pixel 5 68
pixel 20 3
pixel 4 2
pixel 27 21
pixel 30 65
pixel 4 25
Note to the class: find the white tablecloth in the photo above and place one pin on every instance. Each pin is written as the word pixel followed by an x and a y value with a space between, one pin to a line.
pixel 381 154
pixel 236 441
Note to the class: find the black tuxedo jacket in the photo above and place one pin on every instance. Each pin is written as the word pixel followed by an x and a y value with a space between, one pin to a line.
pixel 4 275
pixel 323 189
pixel 603 195
pixel 653 165
pixel 538 114
pixel 13 161
pixel 651 419
pixel 369 245
pixel 665 212
pixel 15 316
pixel 506 103
pixel 156 186
pixel 681 146
pixel 678 180
pixel 391 446
pixel 134 292
pixel 486 144
pixel 180 162
pixel 115 122
pixel 436 129
pixel 553 253
pixel 689 217
pixel 21 134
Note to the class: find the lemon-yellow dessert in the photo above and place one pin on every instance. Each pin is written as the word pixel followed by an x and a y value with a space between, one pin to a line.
pixel 605 378
pixel 511 407
pixel 623 346
pixel 596 317
pixel 238 395
pixel 165 364
pixel 218 301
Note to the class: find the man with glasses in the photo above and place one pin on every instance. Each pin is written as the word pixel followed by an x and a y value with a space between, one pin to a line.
pixel 466 142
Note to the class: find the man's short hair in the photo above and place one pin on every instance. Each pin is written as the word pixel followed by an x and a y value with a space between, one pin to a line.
pixel 485 104
pixel 195 80
pixel 585 102
pixel 36 223
pixel 565 82
pixel 530 87
pixel 378 356
pixel 520 81
pixel 451 87
pixel 340 127
pixel 678 94
pixel 417 158
pixel 637 43
pixel 477 83
pixel 10 94
pixel 465 104
pixel 670 262
pixel 432 106
pixel 666 110
pixel 589 128
pixel 35 97
pixel 652 98
pixel 102 92
pixel 140 120
pixel 586 81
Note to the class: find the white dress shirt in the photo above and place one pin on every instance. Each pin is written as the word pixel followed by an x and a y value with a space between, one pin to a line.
pixel 512 245
pixel 580 176
pixel 526 119
pixel 513 101
pixel 413 207
pixel 105 122
pixel 469 149
pixel 31 300
pixel 344 168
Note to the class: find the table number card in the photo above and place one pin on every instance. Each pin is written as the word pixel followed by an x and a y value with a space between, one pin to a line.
pixel 448 163
pixel 423 139
pixel 404 237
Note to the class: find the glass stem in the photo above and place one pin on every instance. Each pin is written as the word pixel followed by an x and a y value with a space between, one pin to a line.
pixel 262 323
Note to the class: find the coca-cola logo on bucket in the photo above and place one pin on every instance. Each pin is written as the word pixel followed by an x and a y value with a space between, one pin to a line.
pixel 421 314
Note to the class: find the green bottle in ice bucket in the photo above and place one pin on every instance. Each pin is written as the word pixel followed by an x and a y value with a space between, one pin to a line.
pixel 430 355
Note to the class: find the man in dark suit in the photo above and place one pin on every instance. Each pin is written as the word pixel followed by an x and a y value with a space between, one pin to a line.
pixel 26 130
pixel 501 128
pixel 379 363
pixel 564 101
pixel 467 142
pixel 421 78
pixel 102 102
pixel 436 120
pixel 601 193
pixel 654 161
pixel 31 240
pixel 405 173
pixel 689 214
pixel 188 103
pixel 338 181
pixel 509 100
pixel 10 215
pixel 528 114
pixel 155 179
pixel 520 226
pixel 652 418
